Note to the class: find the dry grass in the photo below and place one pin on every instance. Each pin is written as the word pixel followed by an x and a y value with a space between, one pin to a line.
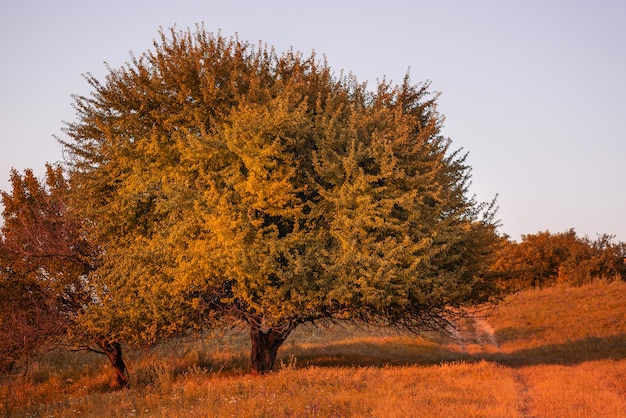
pixel 564 325
pixel 561 315
pixel 568 348
pixel 591 389
pixel 557 352
pixel 477 389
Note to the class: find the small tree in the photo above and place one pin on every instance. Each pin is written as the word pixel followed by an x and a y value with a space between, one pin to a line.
pixel 228 183
pixel 27 323
pixel 45 261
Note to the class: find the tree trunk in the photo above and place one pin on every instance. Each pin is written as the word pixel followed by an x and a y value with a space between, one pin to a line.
pixel 265 346
pixel 113 352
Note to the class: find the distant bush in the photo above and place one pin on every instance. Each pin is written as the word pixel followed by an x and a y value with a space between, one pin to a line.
pixel 546 259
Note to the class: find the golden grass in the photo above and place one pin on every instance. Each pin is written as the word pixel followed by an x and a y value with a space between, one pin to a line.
pixel 559 352
pixel 562 316
pixel 568 348
pixel 477 389
pixel 592 389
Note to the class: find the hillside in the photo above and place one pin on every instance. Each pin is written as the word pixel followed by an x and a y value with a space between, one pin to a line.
pixel 552 352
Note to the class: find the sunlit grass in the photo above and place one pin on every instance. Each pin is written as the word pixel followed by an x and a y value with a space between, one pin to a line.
pixel 568 348
pixel 478 389
pixel 564 324
pixel 590 389
pixel 559 352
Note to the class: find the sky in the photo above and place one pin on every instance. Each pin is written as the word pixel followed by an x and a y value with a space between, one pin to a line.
pixel 534 90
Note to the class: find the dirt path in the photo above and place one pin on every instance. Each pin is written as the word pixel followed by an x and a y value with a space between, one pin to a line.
pixel 484 333
pixel 476 337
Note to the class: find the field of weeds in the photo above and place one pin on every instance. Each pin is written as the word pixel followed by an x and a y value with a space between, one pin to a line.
pixel 556 352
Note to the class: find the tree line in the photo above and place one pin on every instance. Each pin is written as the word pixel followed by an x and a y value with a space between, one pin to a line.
pixel 546 259
pixel 213 183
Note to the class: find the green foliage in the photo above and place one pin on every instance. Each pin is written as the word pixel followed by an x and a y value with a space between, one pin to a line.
pixel 227 182
pixel 544 259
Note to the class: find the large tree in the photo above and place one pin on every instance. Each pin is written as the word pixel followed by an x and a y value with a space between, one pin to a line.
pixel 227 182
pixel 45 261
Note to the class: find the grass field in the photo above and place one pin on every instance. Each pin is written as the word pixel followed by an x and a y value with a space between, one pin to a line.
pixel 556 352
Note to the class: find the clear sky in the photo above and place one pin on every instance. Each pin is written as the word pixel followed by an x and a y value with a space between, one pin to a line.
pixel 534 90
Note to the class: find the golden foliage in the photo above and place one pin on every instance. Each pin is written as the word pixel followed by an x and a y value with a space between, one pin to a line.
pixel 228 181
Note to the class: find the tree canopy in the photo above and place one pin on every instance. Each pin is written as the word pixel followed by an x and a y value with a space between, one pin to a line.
pixel 45 262
pixel 227 182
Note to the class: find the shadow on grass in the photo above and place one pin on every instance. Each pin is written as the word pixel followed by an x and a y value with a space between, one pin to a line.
pixel 374 354
pixel 568 353
pixel 367 354
pixel 352 349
